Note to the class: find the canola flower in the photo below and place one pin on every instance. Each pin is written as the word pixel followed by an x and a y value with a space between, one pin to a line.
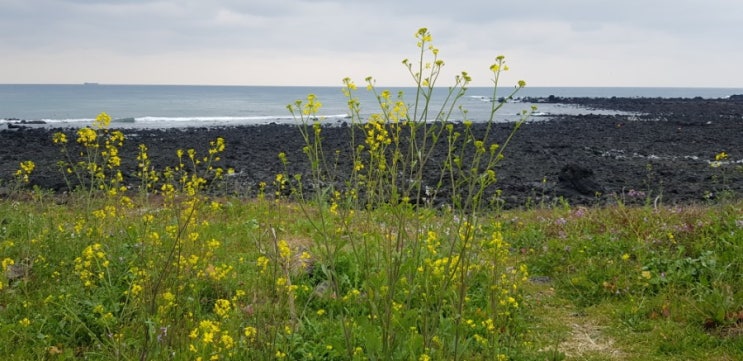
pixel 210 342
pixel 92 265
pixel 59 138
pixel 219 272
pixel 222 308
pixel 168 302
pixel 102 121
pixel 216 146
pixel 250 333
pixel 312 106
pixel 284 250
pixel 25 170
pixel 88 137
pixel 6 263
pixel 262 263
pixel 720 158
pixel 97 166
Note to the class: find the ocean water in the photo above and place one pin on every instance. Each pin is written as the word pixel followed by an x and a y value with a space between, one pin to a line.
pixel 184 106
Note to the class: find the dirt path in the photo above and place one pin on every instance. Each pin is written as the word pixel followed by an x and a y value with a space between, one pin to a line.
pixel 569 331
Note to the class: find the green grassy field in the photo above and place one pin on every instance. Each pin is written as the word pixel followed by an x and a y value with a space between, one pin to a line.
pixel 230 278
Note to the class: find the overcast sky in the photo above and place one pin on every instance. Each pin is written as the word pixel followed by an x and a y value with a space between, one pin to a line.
pixel 676 43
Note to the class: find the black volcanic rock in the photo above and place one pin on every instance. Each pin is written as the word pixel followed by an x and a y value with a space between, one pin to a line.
pixel 664 149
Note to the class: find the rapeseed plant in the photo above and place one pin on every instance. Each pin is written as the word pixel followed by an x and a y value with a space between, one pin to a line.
pixel 25 170
pixel 403 265
pixel 92 266
pixel 22 176
pixel 99 161
pixel 721 165
pixel 147 174
pixel 155 271
pixel 210 342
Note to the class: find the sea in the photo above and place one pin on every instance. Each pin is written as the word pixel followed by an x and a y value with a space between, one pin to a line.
pixel 169 106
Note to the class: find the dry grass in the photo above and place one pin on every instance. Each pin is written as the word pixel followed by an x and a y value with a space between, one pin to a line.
pixel 587 340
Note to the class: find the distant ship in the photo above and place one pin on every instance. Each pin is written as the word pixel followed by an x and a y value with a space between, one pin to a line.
pixel 86 83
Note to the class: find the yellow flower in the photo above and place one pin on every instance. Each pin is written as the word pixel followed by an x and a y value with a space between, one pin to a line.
pixel 102 120
pixel 489 325
pixel 208 337
pixel 7 262
pixel 646 275
pixel 59 138
pixel 27 167
pixel 99 309
pixel 213 244
pixel 625 257
pixel 217 146
pixel 284 251
pixel 207 329
pixel 481 340
pixel 312 106
pixel 349 83
pixel 136 289
pixel 480 146
pixel 262 262
pixel 168 296
pixel 227 341
pixel 87 137
pixel 423 35
pixel 250 332
pixel 222 307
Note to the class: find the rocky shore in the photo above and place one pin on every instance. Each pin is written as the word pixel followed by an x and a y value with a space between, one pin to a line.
pixel 662 152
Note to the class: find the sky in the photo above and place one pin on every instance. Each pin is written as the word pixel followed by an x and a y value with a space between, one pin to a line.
pixel 633 43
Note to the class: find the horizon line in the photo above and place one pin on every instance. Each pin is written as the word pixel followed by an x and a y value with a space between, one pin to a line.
pixel 377 86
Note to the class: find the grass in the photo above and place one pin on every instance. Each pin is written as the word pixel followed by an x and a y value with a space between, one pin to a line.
pixel 614 283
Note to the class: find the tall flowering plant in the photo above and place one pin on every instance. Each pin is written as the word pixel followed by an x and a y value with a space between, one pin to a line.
pixel 411 269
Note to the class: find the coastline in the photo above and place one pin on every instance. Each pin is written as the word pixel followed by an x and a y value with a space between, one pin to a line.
pixel 584 160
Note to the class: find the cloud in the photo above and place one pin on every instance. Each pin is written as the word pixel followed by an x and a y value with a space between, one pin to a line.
pixel 571 42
